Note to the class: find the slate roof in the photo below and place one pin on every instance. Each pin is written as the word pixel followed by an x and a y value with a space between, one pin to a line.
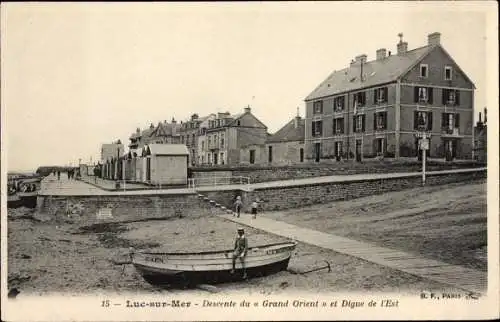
pixel 289 133
pixel 375 72
pixel 165 149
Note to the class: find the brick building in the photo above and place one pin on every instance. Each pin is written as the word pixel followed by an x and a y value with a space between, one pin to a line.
pixel 220 142
pixel 376 108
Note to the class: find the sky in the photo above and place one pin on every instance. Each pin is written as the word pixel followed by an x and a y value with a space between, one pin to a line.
pixel 75 76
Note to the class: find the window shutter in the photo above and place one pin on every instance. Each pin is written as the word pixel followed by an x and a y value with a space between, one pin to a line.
pixel 375 96
pixel 444 96
pixel 334 126
pixel 415 120
pixel 374 147
pixel 313 128
pixel 443 120
pixel 415 95
pixel 386 94
pixel 342 125
pixel 457 120
pixel 430 91
pixel 320 126
pixel 363 123
pixel 354 124
pixel 385 120
pixel 429 121
pixel 374 121
pixel 457 97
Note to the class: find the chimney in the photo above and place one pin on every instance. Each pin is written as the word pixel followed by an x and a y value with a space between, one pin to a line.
pixel 151 126
pixel 434 39
pixel 381 53
pixel 485 115
pixel 137 130
pixel 194 117
pixel 480 117
pixel 296 120
pixel 247 109
pixel 361 58
pixel 402 45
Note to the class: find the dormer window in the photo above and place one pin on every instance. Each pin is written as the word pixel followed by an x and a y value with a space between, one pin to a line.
pixel 448 70
pixel 424 68
pixel 318 107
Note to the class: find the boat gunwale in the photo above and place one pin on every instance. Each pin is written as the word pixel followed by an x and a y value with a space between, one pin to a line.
pixel 290 243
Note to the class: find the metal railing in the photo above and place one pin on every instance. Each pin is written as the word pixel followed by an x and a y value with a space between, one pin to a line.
pixel 217 181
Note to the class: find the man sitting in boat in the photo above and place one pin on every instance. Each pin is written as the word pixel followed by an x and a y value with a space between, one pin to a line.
pixel 240 250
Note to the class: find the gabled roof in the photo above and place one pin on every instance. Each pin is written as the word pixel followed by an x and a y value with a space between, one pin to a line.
pixel 236 117
pixel 165 149
pixel 289 132
pixel 375 72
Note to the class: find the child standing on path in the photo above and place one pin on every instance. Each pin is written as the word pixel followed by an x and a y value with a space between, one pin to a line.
pixel 255 205
pixel 238 204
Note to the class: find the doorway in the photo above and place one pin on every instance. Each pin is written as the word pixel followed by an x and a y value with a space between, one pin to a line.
pixel 358 150
pixel 148 169
pixel 215 158
pixel 317 152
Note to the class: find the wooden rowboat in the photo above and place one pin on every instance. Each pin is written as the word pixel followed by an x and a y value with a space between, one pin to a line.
pixel 211 266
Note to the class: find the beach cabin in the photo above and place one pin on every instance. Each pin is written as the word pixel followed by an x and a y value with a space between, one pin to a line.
pixel 165 164
pixel 128 166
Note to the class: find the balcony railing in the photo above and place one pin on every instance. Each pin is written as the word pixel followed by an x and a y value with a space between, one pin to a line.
pixel 450 132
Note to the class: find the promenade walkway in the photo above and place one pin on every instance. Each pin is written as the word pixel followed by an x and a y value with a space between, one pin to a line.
pixel 458 276
pixel 65 187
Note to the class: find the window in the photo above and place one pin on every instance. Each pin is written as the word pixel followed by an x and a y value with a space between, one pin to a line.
pixel 359 123
pixel 338 126
pixel 192 139
pixel 208 157
pixel 222 158
pixel 209 142
pixel 239 123
pixel 380 121
pixel 451 97
pixel 203 145
pixel 422 121
pixel 359 99
pixel 222 141
pixel 423 70
pixel 317 128
pixel 252 156
pixel 301 154
pixel 448 70
pixel 182 139
pixel 380 95
pixel 338 103
pixel 379 145
pixel 270 154
pixel 450 121
pixel 318 107
pixel 423 95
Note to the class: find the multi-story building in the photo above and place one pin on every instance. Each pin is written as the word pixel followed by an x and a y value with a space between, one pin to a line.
pixel 189 134
pixel 162 133
pixel 377 108
pixel 221 141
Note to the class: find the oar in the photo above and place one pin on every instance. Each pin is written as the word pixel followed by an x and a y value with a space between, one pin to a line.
pixel 314 269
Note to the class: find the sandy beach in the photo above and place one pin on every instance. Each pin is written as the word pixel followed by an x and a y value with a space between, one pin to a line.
pixel 57 256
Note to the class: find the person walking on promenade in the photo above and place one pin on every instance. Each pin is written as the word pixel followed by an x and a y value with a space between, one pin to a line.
pixel 237 205
pixel 255 205
pixel 240 251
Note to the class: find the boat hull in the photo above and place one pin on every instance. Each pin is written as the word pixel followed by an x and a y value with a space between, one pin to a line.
pixel 192 278
pixel 211 267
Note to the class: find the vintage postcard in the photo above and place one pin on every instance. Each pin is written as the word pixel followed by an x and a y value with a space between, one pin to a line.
pixel 249 161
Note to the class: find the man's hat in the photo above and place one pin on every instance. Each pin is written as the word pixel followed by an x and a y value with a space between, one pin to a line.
pixel 240 229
